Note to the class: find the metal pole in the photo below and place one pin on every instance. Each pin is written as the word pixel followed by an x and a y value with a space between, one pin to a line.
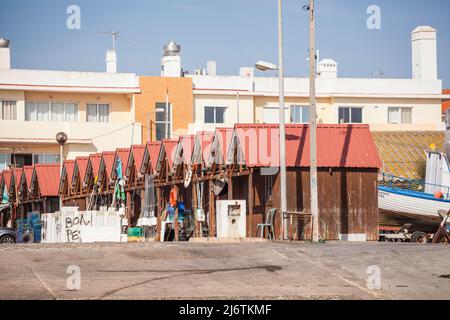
pixel 149 128
pixel 237 106
pixel 282 124
pixel 313 126
pixel 61 146
pixel 167 114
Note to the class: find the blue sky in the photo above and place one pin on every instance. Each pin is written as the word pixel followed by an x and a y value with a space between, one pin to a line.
pixel 235 33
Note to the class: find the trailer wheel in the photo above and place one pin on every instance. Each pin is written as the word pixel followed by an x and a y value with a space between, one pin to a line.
pixel 419 237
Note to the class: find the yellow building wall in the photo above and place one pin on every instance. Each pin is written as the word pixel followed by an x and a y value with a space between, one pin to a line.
pixel 154 91
pixel 120 104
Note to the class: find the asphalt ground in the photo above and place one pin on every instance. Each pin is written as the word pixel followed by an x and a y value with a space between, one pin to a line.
pixel 259 270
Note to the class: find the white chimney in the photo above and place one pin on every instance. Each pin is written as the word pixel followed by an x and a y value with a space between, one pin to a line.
pixel 111 61
pixel 247 72
pixel 424 53
pixel 5 54
pixel 171 61
pixel 327 69
pixel 211 68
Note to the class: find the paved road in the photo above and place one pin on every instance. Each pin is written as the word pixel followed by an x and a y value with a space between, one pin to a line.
pixel 226 271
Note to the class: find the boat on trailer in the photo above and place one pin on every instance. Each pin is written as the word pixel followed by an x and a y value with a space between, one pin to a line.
pixel 404 201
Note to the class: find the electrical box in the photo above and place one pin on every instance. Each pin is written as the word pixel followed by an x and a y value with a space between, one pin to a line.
pixel 231 218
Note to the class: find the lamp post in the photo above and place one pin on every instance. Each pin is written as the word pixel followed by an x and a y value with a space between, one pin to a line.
pixel 264 66
pixel 61 138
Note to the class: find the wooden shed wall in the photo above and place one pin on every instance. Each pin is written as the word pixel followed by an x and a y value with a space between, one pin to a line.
pixel 348 201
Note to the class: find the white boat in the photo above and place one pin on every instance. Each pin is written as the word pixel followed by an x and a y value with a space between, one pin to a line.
pixel 402 201
pixel 412 202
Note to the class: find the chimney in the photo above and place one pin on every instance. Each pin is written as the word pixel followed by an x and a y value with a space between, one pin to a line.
pixel 171 61
pixel 5 54
pixel 211 68
pixel 111 61
pixel 327 69
pixel 424 53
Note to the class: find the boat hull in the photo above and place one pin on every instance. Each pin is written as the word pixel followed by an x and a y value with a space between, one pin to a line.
pixel 398 207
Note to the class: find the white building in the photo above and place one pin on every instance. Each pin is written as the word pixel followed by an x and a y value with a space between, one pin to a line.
pixel 385 104
pixel 95 110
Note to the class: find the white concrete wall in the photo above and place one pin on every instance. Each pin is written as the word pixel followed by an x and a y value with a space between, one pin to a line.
pixel 73 226
pixel 68 81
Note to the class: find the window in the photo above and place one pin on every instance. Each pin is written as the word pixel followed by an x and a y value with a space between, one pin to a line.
pixel 215 114
pixel 163 121
pixel 97 112
pixel 350 115
pixel 45 158
pixel 8 110
pixel 399 115
pixel 5 161
pixel 21 160
pixel 51 111
pixel 299 114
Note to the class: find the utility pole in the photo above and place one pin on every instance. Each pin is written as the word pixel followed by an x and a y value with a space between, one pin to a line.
pixel 313 125
pixel 167 114
pixel 283 188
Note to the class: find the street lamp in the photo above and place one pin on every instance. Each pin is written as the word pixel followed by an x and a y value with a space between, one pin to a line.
pixel 61 138
pixel 265 66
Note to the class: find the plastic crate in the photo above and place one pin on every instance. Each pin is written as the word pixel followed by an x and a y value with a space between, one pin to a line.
pixel 135 232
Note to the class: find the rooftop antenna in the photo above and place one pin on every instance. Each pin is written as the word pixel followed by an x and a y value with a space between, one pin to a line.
pixel 115 35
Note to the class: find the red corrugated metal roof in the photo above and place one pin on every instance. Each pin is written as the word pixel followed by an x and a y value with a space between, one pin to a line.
pixel 222 140
pixel 69 166
pixel 28 170
pixel 187 144
pixel 81 164
pixel 7 176
pixel 94 160
pixel 348 146
pixel 123 154
pixel 47 179
pixel 108 161
pixel 152 149
pixel 137 152
pixel 202 147
pixel 170 149
pixel 18 172
pixel 68 170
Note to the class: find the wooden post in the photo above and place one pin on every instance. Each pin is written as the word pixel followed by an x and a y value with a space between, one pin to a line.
pixel 211 210
pixel 44 205
pixel 158 214
pixel 250 202
pixel 230 187
pixel 176 227
pixel 195 206
pixel 128 208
